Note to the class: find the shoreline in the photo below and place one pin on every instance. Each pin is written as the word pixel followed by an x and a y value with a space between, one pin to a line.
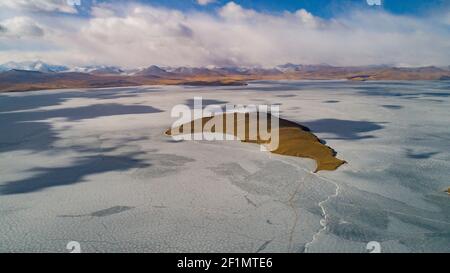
pixel 24 80
pixel 209 84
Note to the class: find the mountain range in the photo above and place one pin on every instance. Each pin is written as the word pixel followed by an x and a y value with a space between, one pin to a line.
pixel 25 76
pixel 32 66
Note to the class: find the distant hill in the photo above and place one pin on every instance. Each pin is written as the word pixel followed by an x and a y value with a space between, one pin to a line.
pixel 194 71
pixel 153 71
pixel 33 66
pixel 38 75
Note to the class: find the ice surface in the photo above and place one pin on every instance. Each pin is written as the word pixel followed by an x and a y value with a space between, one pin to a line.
pixel 94 166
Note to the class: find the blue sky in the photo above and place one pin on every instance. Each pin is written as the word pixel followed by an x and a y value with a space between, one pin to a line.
pixel 321 8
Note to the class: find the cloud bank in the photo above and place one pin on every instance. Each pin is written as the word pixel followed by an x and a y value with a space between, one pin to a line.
pixel 39 5
pixel 17 27
pixel 133 35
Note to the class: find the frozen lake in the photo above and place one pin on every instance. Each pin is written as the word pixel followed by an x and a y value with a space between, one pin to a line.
pixel 94 166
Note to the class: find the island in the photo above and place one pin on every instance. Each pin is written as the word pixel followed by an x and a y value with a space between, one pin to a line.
pixel 293 139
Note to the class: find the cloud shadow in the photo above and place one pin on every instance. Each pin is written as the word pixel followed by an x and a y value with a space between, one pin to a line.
pixel 344 129
pixel 75 173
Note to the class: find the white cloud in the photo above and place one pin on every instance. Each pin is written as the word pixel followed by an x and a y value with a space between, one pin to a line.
pixel 39 5
pixel 103 11
pixel 307 18
pixel 234 11
pixel 138 35
pixel 19 27
pixel 205 2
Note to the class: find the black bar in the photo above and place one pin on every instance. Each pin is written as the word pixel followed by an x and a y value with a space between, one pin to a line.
pixel 276 262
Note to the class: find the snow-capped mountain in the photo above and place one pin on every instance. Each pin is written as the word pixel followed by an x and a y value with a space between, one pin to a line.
pixel 98 69
pixel 33 66
pixel 153 70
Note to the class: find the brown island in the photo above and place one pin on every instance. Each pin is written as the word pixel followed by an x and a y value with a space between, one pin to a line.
pixel 294 139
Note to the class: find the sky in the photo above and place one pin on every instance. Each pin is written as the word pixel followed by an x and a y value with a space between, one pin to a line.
pixel 226 33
